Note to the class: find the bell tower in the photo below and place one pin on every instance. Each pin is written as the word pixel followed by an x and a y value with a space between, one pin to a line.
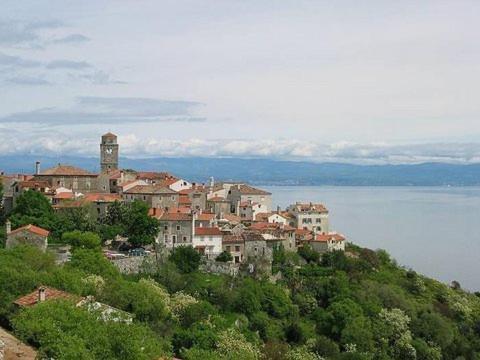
pixel 109 152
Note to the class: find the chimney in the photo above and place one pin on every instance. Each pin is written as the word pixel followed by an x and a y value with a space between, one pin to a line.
pixel 122 177
pixel 41 294
pixel 8 226
pixel 37 168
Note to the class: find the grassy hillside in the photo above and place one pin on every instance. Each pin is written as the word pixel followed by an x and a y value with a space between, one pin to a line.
pixel 356 306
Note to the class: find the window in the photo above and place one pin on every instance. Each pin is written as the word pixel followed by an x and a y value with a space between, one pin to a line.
pixel 227 248
pixel 237 247
pixel 184 239
pixel 174 238
pixel 318 220
pixel 144 197
pixel 256 249
pixel 178 227
pixel 165 227
pixel 165 237
pixel 173 198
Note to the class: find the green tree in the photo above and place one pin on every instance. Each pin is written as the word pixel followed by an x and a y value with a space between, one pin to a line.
pixel 2 209
pixel 307 252
pixel 224 256
pixel 93 262
pixel 82 240
pixel 186 258
pixel 32 207
pixel 63 331
pixel 140 228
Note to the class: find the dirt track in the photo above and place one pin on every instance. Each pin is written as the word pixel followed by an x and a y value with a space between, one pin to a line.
pixel 15 349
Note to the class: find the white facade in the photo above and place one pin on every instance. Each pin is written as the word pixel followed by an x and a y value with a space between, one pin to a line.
pixel 209 245
pixel 180 184
pixel 277 219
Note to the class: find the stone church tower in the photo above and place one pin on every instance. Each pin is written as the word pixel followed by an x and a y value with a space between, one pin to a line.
pixel 109 152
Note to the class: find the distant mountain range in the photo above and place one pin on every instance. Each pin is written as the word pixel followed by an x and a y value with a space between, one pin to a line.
pixel 274 172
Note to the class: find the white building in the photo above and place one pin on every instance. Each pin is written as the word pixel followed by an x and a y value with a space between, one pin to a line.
pixel 208 241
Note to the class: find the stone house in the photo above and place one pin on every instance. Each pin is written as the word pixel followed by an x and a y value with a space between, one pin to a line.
pixel 242 193
pixel 219 205
pixel 176 229
pixel 310 216
pixel 249 210
pixel 256 247
pixel 27 235
pixel 156 196
pixel 71 177
pixel 277 234
pixel 323 243
pixel 19 187
pixel 235 245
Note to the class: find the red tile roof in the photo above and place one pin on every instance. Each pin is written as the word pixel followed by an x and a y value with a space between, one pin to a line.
pixel 205 216
pixel 183 199
pixel 33 229
pixel 99 197
pixel 50 294
pixel 180 209
pixel 64 195
pixel 305 207
pixel 250 190
pixel 149 189
pixel 66 170
pixel 329 237
pixel 33 184
pixel 175 217
pixel 200 231
pixel 156 212
pixel 231 239
pixel 151 175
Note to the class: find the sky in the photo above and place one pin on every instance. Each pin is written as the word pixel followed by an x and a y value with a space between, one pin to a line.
pixel 348 81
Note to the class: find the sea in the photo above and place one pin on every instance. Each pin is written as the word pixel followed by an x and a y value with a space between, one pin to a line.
pixel 433 230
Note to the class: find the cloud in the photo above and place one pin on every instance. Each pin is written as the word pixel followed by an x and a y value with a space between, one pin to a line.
pixel 26 80
pixel 68 64
pixel 18 62
pixel 20 33
pixel 113 110
pixel 71 39
pixel 54 142
pixel 100 77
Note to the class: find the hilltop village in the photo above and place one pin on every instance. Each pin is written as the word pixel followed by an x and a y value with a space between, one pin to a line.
pixel 213 218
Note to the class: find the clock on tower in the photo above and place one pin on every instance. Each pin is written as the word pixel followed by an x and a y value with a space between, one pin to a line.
pixel 109 152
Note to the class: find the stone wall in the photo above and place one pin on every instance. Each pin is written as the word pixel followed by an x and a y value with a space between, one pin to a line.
pixel 25 237
pixel 218 267
pixel 136 264
pixel 2 350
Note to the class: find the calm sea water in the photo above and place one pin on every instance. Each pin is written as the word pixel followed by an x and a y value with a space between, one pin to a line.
pixel 435 231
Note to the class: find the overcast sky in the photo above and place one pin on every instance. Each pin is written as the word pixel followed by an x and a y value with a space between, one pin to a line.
pixel 360 81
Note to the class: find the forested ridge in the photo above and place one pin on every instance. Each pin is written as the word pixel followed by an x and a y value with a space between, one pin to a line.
pixel 355 305
pixel 360 306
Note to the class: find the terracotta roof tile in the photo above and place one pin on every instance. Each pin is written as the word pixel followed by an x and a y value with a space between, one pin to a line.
pixel 66 170
pixel 250 190
pixel 50 294
pixel 149 189
pixel 33 229
pixel 329 237
pixel 175 217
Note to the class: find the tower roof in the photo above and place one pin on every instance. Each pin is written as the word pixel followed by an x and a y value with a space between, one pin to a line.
pixel 109 135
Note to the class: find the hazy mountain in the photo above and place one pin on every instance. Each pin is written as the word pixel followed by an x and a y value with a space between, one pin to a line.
pixel 264 171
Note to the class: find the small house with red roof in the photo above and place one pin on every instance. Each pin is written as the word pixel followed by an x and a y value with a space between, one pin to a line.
pixel 27 235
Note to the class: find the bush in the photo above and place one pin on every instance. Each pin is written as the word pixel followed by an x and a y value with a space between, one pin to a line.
pixel 186 258
pixel 225 256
